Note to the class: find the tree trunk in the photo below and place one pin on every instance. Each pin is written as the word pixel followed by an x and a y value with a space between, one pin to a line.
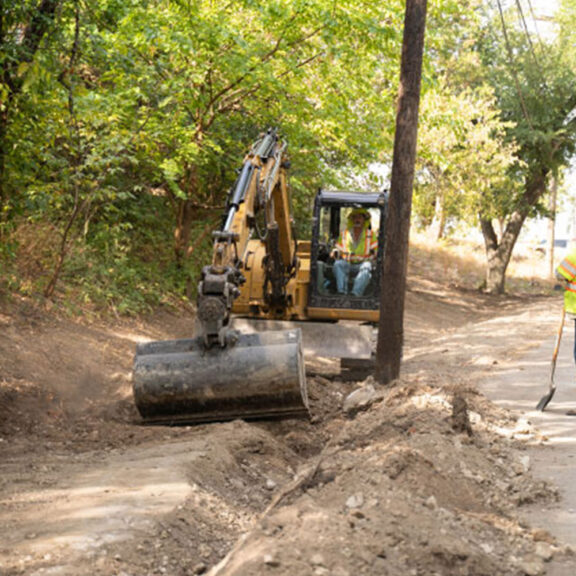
pixel 496 263
pixel 3 144
pixel 185 212
pixel 439 221
pixel 75 163
pixel 391 329
pixel 182 232
pixel 498 254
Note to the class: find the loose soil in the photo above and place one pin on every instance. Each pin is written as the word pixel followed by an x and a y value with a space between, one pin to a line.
pixel 427 477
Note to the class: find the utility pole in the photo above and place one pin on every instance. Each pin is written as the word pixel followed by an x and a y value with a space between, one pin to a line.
pixel 391 330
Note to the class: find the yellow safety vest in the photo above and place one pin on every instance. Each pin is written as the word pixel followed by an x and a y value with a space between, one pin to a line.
pixel 357 251
pixel 567 270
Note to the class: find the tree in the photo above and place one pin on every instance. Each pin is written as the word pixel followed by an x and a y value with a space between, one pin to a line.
pixel 132 101
pixel 496 126
pixel 463 155
pixel 205 76
pixel 535 90
pixel 23 26
pixel 136 108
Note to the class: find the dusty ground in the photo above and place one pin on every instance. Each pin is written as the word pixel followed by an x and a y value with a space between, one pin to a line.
pixel 429 479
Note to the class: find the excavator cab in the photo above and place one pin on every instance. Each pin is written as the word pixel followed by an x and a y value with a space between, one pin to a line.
pixel 347 297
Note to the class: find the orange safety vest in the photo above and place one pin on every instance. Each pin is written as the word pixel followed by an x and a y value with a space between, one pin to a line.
pixel 357 251
pixel 567 270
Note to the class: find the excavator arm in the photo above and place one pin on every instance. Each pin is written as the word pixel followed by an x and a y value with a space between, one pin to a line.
pixel 222 373
pixel 258 205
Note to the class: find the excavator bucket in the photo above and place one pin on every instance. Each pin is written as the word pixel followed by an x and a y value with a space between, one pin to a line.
pixel 260 375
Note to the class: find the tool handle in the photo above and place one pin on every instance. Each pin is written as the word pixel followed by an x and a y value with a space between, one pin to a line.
pixel 544 401
pixel 559 335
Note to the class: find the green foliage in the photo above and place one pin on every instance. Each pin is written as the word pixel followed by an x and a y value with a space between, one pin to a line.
pixel 205 77
pixel 464 157
pixel 133 102
pixel 535 89
pixel 497 122
pixel 131 113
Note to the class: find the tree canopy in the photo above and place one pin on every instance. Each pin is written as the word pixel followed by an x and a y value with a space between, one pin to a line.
pixel 123 123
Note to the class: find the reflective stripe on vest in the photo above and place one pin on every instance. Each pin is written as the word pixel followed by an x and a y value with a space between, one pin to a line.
pixel 567 269
pixel 360 251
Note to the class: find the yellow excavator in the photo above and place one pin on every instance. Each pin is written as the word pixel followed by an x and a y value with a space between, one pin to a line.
pixel 282 286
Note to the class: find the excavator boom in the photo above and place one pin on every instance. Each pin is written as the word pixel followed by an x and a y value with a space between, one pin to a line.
pixel 221 373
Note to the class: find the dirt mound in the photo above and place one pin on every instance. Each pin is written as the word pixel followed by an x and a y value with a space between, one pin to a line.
pixel 399 491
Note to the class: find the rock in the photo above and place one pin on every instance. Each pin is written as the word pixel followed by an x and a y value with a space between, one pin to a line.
pixel 523 426
pixel 539 535
pixel 460 417
pixel 360 399
pixel 357 514
pixel 525 462
pixel 522 465
pixel 317 560
pixel 544 551
pixel 269 560
pixel 467 473
pixel 355 501
pixel 531 567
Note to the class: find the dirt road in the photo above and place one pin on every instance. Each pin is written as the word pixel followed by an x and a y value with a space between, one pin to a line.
pixel 554 460
pixel 409 486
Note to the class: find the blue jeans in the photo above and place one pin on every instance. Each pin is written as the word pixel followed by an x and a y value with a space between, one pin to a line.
pixel 342 270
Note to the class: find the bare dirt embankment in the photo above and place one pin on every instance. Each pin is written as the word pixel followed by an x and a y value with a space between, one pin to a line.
pixel 427 480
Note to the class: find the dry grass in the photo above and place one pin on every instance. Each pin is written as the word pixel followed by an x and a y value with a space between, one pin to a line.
pixel 462 263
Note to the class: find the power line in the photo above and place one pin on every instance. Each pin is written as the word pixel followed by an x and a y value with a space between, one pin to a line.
pixel 512 68
pixel 525 27
pixel 530 44
pixel 534 20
